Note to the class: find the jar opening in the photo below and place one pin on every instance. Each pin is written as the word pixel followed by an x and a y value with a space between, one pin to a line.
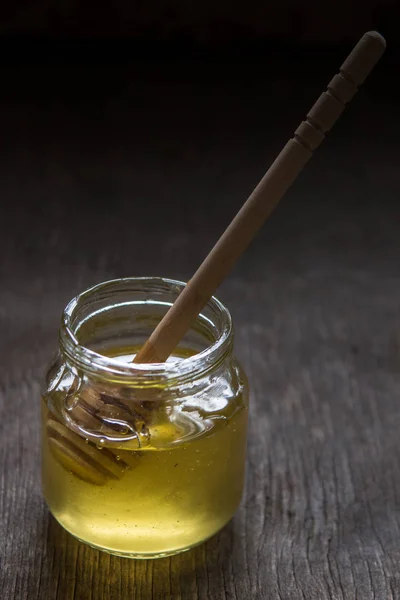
pixel 123 313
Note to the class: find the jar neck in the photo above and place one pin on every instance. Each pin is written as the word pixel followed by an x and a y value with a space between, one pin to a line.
pixel 124 312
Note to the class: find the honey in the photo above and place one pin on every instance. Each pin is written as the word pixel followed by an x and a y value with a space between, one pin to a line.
pixel 174 493
pixel 142 461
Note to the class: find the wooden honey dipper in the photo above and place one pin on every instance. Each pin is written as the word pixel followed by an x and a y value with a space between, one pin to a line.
pixel 176 322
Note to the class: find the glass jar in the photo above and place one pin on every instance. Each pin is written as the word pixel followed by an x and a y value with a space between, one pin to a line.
pixel 142 460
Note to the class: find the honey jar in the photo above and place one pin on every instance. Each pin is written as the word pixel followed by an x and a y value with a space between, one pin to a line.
pixel 142 460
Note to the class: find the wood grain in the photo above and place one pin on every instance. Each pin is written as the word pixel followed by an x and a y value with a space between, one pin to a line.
pixel 315 301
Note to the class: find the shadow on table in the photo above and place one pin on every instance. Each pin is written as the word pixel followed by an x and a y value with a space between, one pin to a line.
pixel 74 571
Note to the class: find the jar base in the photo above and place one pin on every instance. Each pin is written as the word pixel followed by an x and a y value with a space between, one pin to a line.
pixel 138 555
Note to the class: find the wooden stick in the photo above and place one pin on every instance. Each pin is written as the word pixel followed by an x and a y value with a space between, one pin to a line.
pixel 263 200
pixel 95 466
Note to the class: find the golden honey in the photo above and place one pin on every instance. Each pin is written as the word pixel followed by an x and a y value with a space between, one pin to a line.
pixel 156 494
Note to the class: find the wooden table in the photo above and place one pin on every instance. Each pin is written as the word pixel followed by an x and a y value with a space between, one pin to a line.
pixel 136 170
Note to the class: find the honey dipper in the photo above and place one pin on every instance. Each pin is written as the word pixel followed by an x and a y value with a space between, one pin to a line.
pixel 279 177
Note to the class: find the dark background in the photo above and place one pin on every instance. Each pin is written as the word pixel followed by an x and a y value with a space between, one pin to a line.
pixel 131 133
pixel 205 22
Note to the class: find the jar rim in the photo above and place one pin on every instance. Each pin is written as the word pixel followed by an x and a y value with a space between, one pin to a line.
pixel 105 366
